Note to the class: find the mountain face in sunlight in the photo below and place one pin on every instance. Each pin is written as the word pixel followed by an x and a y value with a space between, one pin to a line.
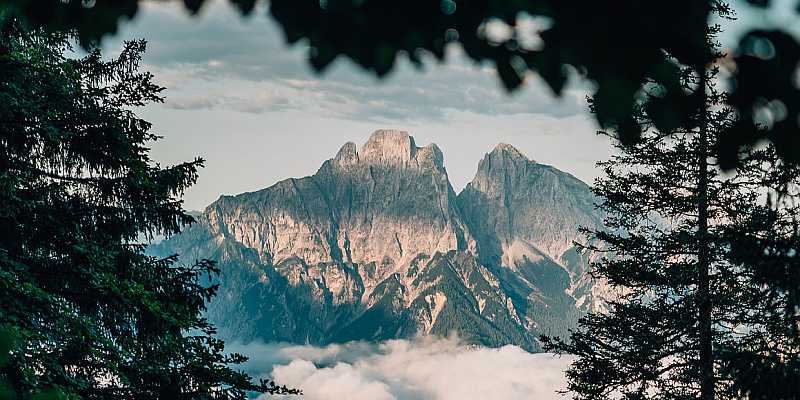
pixel 376 245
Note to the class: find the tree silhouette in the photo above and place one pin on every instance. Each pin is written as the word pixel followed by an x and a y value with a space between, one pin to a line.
pixel 701 258
pixel 86 313
pixel 619 45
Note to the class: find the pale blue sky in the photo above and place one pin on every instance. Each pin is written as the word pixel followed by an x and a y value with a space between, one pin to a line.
pixel 240 98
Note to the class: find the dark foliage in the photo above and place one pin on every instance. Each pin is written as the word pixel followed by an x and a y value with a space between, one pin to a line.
pixel 86 314
pixel 619 45
pixel 704 265
pixel 769 107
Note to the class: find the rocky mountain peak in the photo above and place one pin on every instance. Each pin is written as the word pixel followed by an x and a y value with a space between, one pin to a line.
pixel 388 146
pixel 347 155
pixel 376 245
pixel 518 209
pixel 430 155
pixel 508 151
pixel 504 161
pixel 391 148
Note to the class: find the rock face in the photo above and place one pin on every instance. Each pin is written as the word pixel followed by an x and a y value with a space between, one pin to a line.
pixel 376 245
pixel 525 217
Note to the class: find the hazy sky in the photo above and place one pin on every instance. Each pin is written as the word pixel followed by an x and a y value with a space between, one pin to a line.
pixel 252 107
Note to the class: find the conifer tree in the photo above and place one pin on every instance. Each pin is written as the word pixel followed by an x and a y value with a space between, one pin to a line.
pixel 760 357
pixel 91 316
pixel 703 311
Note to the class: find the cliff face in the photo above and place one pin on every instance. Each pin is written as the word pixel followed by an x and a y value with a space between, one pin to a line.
pixel 514 203
pixel 523 213
pixel 376 245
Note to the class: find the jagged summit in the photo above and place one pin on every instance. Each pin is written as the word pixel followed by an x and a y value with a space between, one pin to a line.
pixel 390 147
pixel 348 154
pixel 504 160
pixel 509 151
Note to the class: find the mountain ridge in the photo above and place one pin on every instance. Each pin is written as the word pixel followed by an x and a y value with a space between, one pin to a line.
pixel 377 245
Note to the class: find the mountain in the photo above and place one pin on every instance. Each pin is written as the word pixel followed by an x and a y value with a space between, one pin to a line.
pixel 525 217
pixel 377 245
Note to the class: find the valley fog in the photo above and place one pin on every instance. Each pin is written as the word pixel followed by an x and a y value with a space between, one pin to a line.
pixel 425 368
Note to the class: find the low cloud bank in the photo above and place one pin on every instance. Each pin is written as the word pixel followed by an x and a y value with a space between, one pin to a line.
pixel 421 369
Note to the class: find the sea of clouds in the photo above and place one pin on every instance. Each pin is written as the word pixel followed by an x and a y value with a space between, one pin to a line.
pixel 419 369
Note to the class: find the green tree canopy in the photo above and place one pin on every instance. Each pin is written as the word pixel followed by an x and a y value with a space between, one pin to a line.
pixel 91 315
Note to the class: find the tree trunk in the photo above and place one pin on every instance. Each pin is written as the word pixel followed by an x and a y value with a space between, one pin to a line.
pixel 703 262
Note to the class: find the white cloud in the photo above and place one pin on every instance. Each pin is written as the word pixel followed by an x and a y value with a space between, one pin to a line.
pixel 420 369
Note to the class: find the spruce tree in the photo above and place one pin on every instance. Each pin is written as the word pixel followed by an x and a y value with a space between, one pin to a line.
pixel 699 258
pixel 91 316
pixel 760 358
